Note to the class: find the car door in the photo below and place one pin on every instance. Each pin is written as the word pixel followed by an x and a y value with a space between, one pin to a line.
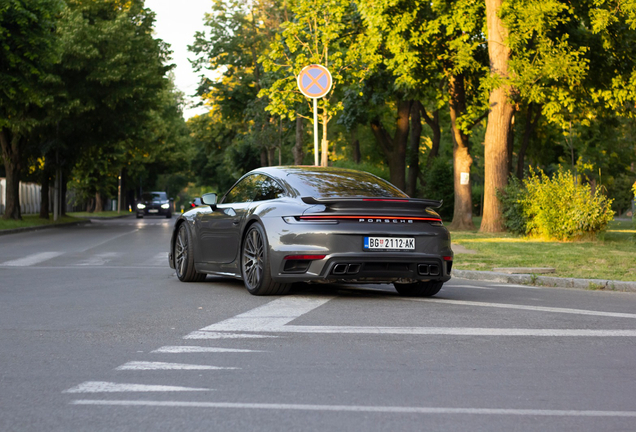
pixel 219 231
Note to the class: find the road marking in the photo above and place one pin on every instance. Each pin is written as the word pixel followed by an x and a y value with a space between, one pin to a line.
pixel 216 335
pixel 363 408
pixel 110 387
pixel 200 349
pixel 98 259
pixel 454 331
pixel 523 307
pixel 274 314
pixel 142 365
pixel 29 260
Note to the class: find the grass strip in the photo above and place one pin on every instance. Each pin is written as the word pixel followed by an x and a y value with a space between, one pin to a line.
pixel 34 220
pixel 611 256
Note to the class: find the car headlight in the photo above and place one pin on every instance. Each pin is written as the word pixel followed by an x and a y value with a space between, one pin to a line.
pixel 141 206
pixel 165 206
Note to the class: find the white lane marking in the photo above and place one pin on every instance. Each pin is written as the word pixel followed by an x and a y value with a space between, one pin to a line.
pixel 274 314
pixel 515 286
pixel 524 307
pixel 158 260
pixel 217 335
pixel 142 365
pixel 98 259
pixel 200 349
pixel 363 408
pixel 454 331
pixel 110 387
pixel 468 286
pixel 29 260
pixel 108 240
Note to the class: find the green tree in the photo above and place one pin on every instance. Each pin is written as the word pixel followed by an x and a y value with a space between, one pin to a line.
pixel 318 32
pixel 27 52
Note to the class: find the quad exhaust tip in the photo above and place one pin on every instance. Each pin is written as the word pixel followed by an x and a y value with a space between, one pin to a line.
pixel 428 269
pixel 349 269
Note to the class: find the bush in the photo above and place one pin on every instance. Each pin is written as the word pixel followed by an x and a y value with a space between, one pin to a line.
pixel 439 186
pixel 511 199
pixel 555 208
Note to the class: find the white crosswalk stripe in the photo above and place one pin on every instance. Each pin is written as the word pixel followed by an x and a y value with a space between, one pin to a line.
pixel 33 259
pixel 143 365
pixel 98 259
pixel 110 387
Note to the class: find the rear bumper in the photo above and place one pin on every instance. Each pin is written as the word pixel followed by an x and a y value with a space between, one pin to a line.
pixel 367 268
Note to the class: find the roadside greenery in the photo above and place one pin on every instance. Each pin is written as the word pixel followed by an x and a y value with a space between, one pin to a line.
pixel 555 208
pixel 34 220
pixel 612 256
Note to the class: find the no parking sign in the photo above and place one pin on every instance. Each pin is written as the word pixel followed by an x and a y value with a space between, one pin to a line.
pixel 314 81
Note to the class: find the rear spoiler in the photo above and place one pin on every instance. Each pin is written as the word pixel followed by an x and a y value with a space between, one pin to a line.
pixel 348 200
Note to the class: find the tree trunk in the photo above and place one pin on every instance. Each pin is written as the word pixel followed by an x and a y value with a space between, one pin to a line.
pixel 394 149
pixel 11 154
pixel 527 134
pixel 355 144
pixel 298 148
pixel 510 142
pixel 499 118
pixel 263 157
pixel 433 122
pixel 63 195
pixel 462 160
pixel 44 195
pixel 414 149
pixel 324 153
pixel 98 202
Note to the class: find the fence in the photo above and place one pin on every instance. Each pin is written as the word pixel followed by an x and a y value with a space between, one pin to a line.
pixel 29 197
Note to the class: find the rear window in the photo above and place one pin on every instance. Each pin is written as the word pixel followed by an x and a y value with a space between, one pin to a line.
pixel 344 183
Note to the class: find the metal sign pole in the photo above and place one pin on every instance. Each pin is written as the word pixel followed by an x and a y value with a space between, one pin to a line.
pixel 316 158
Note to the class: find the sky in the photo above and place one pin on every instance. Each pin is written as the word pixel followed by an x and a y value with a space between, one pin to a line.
pixel 176 23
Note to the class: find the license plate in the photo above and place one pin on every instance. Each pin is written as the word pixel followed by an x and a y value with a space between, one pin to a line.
pixel 153 211
pixel 389 243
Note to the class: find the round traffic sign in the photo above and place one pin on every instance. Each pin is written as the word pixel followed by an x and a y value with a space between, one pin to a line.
pixel 314 81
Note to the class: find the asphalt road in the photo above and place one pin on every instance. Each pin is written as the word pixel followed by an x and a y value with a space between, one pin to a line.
pixel 97 334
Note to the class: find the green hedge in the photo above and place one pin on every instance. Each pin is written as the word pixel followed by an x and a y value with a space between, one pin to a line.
pixel 556 208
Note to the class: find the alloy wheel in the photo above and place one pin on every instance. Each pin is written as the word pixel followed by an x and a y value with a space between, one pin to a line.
pixel 253 252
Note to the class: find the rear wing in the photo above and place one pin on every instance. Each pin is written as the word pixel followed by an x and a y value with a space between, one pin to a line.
pixel 372 202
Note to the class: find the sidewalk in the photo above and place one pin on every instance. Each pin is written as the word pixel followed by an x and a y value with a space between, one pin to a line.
pixel 546 281
pixel 41 227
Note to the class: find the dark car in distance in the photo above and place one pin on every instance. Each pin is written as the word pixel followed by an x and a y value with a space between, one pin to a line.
pixel 280 225
pixel 154 204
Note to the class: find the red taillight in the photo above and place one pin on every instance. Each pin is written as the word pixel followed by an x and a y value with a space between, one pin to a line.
pixel 429 219
pixel 304 257
pixel 385 200
pixel 448 258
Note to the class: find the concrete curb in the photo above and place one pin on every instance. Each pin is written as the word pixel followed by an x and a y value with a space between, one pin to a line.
pixel 546 281
pixel 41 227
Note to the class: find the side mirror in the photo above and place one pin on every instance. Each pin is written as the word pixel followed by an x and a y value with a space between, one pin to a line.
pixel 209 199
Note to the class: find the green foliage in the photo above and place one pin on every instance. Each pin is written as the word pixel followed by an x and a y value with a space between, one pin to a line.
pixel 511 199
pixel 556 208
pixel 438 185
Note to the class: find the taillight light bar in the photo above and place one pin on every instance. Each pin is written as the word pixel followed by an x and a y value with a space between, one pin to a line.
pixel 429 219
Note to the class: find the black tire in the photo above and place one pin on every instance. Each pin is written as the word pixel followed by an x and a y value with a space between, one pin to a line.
pixel 255 267
pixel 140 216
pixel 169 216
pixel 183 253
pixel 419 289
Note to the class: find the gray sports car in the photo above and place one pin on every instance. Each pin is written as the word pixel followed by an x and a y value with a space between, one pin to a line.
pixel 279 225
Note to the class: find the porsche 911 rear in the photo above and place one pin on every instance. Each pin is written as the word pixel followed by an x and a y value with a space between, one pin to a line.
pixel 363 240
